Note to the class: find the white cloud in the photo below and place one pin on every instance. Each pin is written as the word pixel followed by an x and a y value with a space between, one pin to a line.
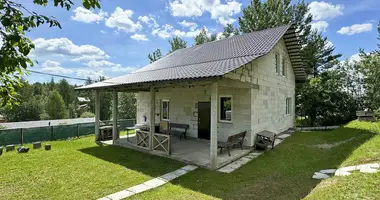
pixel 329 44
pixel 105 65
pixel 121 19
pixel 322 10
pixel 150 21
pixel 139 37
pixel 355 29
pixel 124 69
pixel 87 16
pixel 103 31
pixel 85 73
pixel 222 13
pixel 354 58
pixel 65 47
pixel 191 25
pixel 55 67
pixel 101 63
pixel 167 31
pixel 320 26
pixel 164 32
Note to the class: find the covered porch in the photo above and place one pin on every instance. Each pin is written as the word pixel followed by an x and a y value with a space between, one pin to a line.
pixel 193 149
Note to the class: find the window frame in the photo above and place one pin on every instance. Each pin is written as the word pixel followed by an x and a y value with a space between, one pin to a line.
pixel 288 105
pixel 162 109
pixel 284 67
pixel 277 63
pixel 220 110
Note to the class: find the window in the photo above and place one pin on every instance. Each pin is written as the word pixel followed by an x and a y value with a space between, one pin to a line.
pixel 277 63
pixel 288 105
pixel 165 110
pixel 225 112
pixel 283 71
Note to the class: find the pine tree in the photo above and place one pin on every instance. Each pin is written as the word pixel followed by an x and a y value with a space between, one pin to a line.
pixel 228 31
pixel 155 55
pixel 272 13
pixel 177 43
pixel 319 54
pixel 55 106
pixel 201 38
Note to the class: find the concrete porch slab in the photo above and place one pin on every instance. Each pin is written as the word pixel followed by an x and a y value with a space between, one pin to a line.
pixel 191 151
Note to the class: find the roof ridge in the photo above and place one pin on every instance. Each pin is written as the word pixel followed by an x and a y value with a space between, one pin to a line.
pixel 234 36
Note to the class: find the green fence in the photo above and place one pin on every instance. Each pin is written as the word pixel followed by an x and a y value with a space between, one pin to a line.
pixel 50 133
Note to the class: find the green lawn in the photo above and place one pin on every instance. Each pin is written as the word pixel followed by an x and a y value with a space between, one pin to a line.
pixel 285 172
pixel 77 169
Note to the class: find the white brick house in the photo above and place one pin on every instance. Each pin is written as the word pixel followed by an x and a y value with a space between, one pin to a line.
pixel 243 83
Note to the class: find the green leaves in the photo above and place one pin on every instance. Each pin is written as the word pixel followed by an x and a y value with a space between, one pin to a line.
pixel 177 43
pixel 155 56
pixel 16 20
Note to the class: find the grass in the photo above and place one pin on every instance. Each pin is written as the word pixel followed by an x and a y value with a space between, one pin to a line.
pixel 79 169
pixel 285 172
pixel 76 169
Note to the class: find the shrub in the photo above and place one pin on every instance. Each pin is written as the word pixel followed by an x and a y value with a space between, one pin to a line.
pixel 87 115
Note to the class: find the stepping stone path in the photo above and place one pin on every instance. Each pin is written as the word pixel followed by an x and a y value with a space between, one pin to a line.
pixel 346 171
pixel 151 184
pixel 245 159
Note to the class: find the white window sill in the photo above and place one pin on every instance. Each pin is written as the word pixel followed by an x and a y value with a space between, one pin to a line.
pixel 225 121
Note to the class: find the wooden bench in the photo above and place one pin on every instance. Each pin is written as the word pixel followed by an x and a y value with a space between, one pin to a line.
pixel 232 140
pixel 264 139
pixel 175 131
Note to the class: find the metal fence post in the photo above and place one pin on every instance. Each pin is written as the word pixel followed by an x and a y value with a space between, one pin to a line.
pixel 78 130
pixel 51 133
pixel 22 136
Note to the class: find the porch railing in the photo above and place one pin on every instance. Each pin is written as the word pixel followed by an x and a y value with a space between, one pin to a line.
pixel 142 138
pixel 162 143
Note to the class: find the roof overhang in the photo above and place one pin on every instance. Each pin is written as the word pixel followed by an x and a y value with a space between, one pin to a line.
pixel 145 87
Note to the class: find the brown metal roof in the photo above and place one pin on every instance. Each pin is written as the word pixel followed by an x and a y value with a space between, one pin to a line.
pixel 211 59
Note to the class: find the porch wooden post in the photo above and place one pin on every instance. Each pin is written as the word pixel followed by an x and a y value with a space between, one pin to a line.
pixel 97 115
pixel 151 117
pixel 115 132
pixel 214 127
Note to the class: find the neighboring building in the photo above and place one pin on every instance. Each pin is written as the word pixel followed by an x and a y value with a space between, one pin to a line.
pixel 83 103
pixel 242 83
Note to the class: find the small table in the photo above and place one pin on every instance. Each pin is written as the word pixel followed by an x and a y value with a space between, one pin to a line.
pixel 264 139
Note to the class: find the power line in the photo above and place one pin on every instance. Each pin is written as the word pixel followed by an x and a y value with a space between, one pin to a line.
pixel 62 76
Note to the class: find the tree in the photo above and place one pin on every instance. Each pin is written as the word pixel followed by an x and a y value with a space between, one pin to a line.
pixel 261 15
pixel 55 106
pixel 67 92
pixel 318 54
pixel 177 43
pixel 127 106
pixel 155 55
pixel 369 66
pixel 16 20
pixel 229 31
pixel 202 37
pixel 324 100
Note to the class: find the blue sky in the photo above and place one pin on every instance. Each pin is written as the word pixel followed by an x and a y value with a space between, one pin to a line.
pixel 116 40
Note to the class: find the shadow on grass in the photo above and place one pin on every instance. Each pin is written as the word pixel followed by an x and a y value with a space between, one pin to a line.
pixel 283 173
pixel 144 163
